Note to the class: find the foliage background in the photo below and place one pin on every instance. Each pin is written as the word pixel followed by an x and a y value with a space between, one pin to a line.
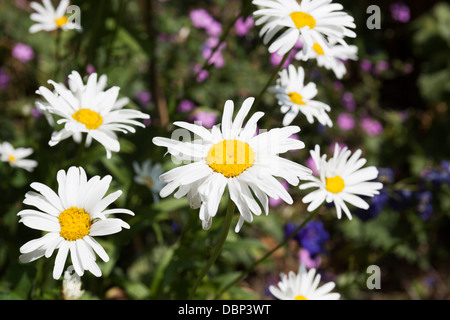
pixel 151 46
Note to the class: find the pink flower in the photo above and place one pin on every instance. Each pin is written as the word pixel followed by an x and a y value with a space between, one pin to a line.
pixel 200 18
pixel 243 26
pixel 22 52
pixel 143 97
pixel 186 106
pixel 214 29
pixel 201 74
pixel 216 59
pixel 371 127
pixel 206 119
pixel 90 69
pixel 381 66
pixel 305 258
pixel 400 12
pixel 348 101
pixel 366 65
pixel 345 121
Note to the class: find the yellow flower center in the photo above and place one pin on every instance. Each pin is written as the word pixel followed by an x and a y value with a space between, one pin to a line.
pixel 335 184
pixel 91 119
pixel 302 19
pixel 300 298
pixel 296 98
pixel 75 223
pixel 148 181
pixel 61 21
pixel 11 159
pixel 318 49
pixel 230 157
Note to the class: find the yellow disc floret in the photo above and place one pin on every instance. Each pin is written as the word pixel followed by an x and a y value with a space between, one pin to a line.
pixel 318 49
pixel 91 119
pixel 61 21
pixel 230 157
pixel 147 181
pixel 75 223
pixel 296 98
pixel 302 19
pixel 300 298
pixel 11 159
pixel 335 184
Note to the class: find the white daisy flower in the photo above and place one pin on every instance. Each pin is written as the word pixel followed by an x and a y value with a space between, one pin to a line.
pixel 303 286
pixel 148 175
pixel 294 97
pixel 48 18
pixel 15 157
pixel 312 21
pixel 229 155
pixel 71 218
pixel 341 180
pixel 335 59
pixel 88 109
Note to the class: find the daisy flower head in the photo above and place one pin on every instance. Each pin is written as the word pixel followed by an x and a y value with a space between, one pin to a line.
pixel 48 18
pixel 312 21
pixel 71 217
pixel 303 286
pixel 341 179
pixel 89 109
pixel 233 156
pixel 294 96
pixel 335 60
pixel 16 157
pixel 148 175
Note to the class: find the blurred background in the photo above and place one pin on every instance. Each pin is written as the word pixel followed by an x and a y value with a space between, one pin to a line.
pixel 393 104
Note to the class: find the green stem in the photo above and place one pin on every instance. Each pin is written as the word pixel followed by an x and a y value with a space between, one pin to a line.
pixel 268 254
pixel 274 75
pixel 57 53
pixel 81 149
pixel 217 249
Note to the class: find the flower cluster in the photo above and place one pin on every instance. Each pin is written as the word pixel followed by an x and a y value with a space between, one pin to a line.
pixel 224 154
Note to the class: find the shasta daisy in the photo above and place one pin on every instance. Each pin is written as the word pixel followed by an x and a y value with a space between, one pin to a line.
pixel 71 218
pixel 341 179
pixel 232 156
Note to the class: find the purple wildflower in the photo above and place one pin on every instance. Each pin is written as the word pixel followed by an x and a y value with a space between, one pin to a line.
pixel 22 52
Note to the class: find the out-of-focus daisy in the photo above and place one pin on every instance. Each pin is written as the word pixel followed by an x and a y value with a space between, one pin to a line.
pixel 231 156
pixel 341 179
pixel 90 110
pixel 48 18
pixel 335 60
pixel 314 21
pixel 71 218
pixel 294 97
pixel 71 287
pixel 15 157
pixel 148 175
pixel 303 286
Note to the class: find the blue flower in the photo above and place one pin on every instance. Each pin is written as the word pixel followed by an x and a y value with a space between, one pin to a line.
pixel 311 237
pixel 377 202
pixel 424 206
pixel 438 175
pixel 376 205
